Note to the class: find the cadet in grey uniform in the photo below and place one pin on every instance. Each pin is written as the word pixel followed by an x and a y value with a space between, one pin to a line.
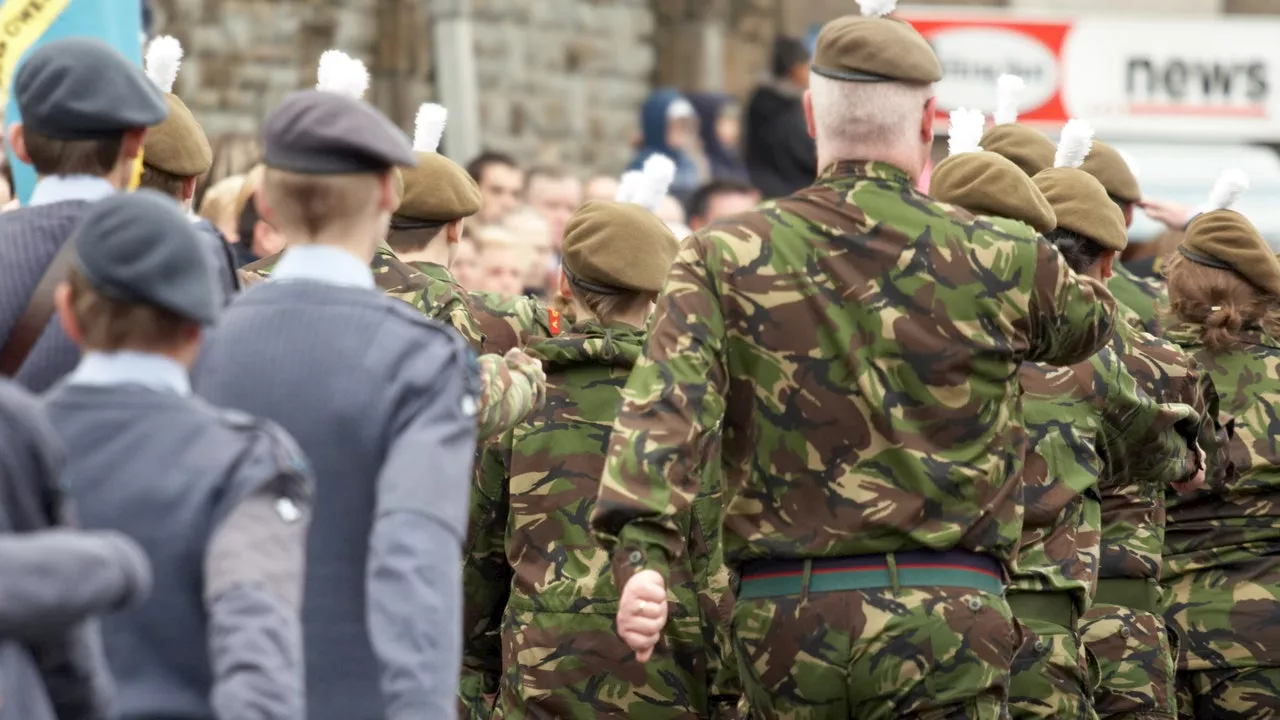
pixel 85 111
pixel 220 501
pixel 381 399
pixel 54 579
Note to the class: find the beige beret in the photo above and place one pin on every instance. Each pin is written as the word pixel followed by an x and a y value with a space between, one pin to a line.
pixel 986 184
pixel 1082 206
pixel 1107 165
pixel 611 246
pixel 874 49
pixel 439 190
pixel 1029 149
pixel 1225 239
pixel 178 145
pixel 252 181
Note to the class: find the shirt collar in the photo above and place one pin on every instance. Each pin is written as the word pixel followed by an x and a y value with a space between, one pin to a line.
pixel 59 188
pixel 863 169
pixel 324 264
pixel 128 367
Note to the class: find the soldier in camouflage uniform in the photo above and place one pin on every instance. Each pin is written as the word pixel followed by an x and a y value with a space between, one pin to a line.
pixel 849 356
pixel 509 322
pixel 530 547
pixel 1221 571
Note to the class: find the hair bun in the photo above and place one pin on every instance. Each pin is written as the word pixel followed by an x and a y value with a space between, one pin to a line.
pixel 1225 317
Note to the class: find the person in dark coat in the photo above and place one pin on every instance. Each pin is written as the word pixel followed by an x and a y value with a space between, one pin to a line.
pixel 720 128
pixel 780 154
pixel 85 113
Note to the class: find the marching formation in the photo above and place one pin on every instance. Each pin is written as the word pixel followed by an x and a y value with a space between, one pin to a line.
pixel 861 451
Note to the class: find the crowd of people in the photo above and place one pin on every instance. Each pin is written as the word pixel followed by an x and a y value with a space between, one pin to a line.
pixel 322 424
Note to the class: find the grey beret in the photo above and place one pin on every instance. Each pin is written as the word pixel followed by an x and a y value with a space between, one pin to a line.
pixel 139 247
pixel 83 89
pixel 324 133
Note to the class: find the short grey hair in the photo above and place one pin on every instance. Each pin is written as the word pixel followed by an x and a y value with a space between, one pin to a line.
pixel 852 119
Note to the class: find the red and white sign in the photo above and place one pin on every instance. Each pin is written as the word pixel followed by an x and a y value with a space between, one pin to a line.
pixel 1175 79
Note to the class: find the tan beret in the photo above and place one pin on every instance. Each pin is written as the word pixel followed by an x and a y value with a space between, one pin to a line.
pixel 1029 149
pixel 1107 165
pixel 611 246
pixel 439 190
pixel 986 184
pixel 178 145
pixel 874 49
pixel 1225 239
pixel 252 181
pixel 1082 206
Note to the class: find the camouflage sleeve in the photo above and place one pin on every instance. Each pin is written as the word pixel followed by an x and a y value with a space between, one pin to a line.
pixel 461 319
pixel 1144 440
pixel 486 581
pixel 672 409
pixel 1071 315
pixel 511 387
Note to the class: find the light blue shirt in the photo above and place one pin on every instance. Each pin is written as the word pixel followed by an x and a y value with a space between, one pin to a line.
pixel 321 263
pixel 128 367
pixel 58 188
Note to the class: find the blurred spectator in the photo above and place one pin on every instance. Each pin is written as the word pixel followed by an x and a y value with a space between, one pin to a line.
pixel 527 227
pixel 720 129
pixel 219 205
pixel 8 198
pixel 233 154
pixel 465 266
pixel 600 187
pixel 255 238
pixel 501 185
pixel 503 262
pixel 780 154
pixel 555 194
pixel 720 198
pixel 668 127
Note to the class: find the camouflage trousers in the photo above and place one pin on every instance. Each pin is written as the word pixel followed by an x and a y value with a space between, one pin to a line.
pixel 1233 694
pixel 1051 677
pixel 573 666
pixel 878 654
pixel 1135 663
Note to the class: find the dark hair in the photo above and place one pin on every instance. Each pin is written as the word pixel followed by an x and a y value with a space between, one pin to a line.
pixel 1079 251
pixel 787 53
pixel 72 157
pixel 701 199
pixel 162 181
pixel 409 235
pixel 486 160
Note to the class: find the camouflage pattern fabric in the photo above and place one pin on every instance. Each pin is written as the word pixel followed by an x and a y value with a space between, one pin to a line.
pixel 918 653
pixel 1051 674
pixel 531 552
pixel 511 386
pixel 507 323
pixel 445 300
pixel 1222 555
pixel 1135 663
pixel 1241 694
pixel 1144 296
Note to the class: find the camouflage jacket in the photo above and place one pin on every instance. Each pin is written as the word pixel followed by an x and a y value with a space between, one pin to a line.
pixel 850 354
pixel 530 549
pixel 508 323
pixel 446 301
pixel 505 397
pixel 1143 296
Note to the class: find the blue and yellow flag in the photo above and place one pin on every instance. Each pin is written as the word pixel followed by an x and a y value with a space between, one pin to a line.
pixel 27 24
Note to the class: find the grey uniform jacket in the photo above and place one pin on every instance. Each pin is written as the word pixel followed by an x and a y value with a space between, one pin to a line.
pixel 55 579
pixel 382 401
pixel 29 240
pixel 220 502
pixel 221 261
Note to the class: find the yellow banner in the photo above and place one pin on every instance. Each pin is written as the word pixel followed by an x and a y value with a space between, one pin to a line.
pixel 22 22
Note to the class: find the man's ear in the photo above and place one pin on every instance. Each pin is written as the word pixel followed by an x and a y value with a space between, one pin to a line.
pixel 566 288
pixel 453 232
pixel 131 147
pixel 388 193
pixel 808 114
pixel 66 315
pixel 189 188
pixel 18 141
pixel 926 123
pixel 265 211
pixel 1107 264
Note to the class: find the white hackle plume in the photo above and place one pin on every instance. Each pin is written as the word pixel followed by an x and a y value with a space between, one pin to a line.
pixel 627 185
pixel 965 134
pixel 428 127
pixel 1008 88
pixel 1074 145
pixel 164 56
pixel 340 73
pixel 1230 186
pixel 658 174
pixel 877 8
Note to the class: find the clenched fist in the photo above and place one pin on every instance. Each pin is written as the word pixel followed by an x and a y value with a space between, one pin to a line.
pixel 643 613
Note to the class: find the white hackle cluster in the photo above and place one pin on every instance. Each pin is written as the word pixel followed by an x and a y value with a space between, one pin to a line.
pixel 342 74
pixel 1230 186
pixel 164 56
pixel 428 127
pixel 627 185
pixel 655 179
pixel 965 134
pixel 1074 145
pixel 877 8
pixel 1008 88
